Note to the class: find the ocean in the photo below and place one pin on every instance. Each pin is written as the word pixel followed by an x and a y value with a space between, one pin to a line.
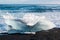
pixel 51 11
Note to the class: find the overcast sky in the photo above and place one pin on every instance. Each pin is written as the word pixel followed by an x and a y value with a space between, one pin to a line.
pixel 29 1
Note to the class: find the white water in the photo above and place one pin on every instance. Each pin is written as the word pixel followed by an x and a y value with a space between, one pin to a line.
pixel 52 16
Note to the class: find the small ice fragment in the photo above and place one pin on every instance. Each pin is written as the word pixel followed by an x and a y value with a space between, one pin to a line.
pixel 28 32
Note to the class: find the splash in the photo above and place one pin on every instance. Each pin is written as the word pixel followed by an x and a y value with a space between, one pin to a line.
pixel 8 16
pixel 30 19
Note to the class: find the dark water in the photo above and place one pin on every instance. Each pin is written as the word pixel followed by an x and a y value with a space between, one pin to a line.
pixel 29 7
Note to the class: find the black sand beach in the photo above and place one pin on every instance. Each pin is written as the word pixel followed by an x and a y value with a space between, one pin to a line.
pixel 53 34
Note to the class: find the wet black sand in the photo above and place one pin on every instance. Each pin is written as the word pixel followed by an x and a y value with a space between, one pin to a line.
pixel 53 34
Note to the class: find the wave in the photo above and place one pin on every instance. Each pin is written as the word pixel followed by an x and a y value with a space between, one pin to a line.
pixel 29 8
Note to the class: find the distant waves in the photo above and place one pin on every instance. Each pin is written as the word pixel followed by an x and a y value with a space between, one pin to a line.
pixel 29 8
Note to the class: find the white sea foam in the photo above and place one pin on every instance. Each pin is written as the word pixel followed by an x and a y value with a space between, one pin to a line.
pixel 38 22
pixel 30 19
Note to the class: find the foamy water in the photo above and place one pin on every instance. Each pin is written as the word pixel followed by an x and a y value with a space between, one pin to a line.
pixel 52 16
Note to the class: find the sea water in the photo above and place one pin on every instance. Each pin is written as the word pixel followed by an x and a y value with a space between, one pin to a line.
pixel 18 11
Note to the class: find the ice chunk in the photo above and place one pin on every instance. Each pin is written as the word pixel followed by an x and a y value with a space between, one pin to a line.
pixel 28 32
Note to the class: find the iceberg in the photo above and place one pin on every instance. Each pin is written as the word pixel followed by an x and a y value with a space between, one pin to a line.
pixel 29 23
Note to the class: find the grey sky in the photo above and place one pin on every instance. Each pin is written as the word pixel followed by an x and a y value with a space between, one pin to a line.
pixel 29 1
